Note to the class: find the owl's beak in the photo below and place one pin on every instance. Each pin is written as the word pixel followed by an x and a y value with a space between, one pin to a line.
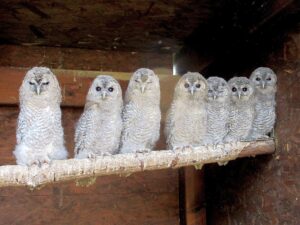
pixel 192 90
pixel 38 89
pixel 263 85
pixel 239 94
pixel 142 88
pixel 103 95
pixel 214 97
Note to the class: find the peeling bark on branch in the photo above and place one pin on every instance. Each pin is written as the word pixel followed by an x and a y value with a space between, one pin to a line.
pixel 64 170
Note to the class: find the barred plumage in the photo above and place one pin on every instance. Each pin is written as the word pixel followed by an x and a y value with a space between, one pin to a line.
pixel 186 121
pixel 218 108
pixel 241 109
pixel 265 83
pixel 99 128
pixel 141 114
pixel 39 132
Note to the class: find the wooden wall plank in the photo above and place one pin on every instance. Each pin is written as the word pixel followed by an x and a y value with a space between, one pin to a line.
pixel 81 59
pixel 134 200
pixel 74 85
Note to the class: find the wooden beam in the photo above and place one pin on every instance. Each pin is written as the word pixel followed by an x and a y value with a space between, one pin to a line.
pixel 81 59
pixel 74 84
pixel 63 170
pixel 192 196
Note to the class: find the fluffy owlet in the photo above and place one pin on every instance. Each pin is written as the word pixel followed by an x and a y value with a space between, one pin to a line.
pixel 141 114
pixel 186 122
pixel 264 80
pixel 40 136
pixel 242 109
pixel 218 108
pixel 99 128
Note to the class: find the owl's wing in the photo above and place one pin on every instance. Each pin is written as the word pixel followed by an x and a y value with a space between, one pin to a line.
pixel 169 122
pixel 156 129
pixel 128 116
pixel 22 127
pixel 81 131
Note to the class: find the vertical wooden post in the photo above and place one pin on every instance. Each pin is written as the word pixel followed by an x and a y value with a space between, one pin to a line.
pixel 191 196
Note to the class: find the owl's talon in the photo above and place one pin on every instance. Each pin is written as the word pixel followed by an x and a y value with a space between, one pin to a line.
pixel 146 150
pixel 260 137
pixel 176 148
pixel 105 154
pixel 91 156
pixel 223 163
pixel 188 147
pixel 34 164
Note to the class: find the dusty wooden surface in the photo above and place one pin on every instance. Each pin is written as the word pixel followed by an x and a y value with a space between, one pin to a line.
pixel 111 25
pixel 157 26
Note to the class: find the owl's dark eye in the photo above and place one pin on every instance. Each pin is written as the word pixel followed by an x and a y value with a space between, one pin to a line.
pixel 198 85
pixel 111 89
pixel 234 89
pixel 98 88
pixel 186 85
pixel 210 91
pixel 245 89
pixel 31 83
pixel 257 78
pixel 269 78
pixel 46 83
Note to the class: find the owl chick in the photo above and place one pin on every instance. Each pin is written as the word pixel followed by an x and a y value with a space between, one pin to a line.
pixel 242 109
pixel 40 136
pixel 218 108
pixel 99 128
pixel 141 114
pixel 186 121
pixel 264 80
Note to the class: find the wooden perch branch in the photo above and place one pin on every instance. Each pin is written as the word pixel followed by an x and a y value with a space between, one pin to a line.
pixel 63 170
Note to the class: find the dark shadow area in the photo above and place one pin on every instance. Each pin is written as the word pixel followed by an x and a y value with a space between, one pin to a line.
pixel 238 38
pixel 226 186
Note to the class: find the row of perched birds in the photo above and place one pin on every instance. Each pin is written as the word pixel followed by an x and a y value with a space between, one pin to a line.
pixel 202 112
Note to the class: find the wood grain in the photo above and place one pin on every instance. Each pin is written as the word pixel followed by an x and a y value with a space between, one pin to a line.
pixel 113 200
pixel 82 59
pixel 113 25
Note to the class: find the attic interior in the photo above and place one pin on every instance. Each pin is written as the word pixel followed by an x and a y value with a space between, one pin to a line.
pixel 223 38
